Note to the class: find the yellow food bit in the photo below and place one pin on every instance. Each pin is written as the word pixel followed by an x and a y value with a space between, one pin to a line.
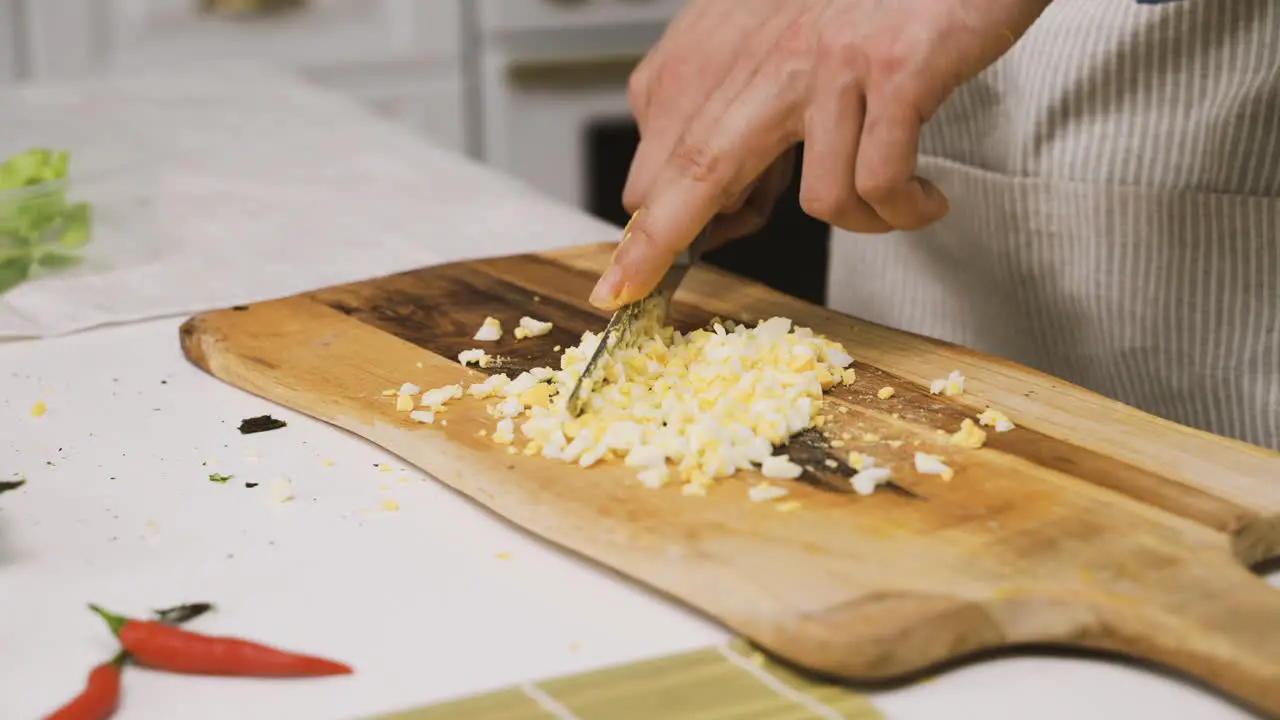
pixel 765 491
pixel 389 393
pixel 848 377
pixel 531 328
pixel 994 418
pixel 837 443
pixel 383 467
pixel 927 464
pixel 405 403
pixel 327 463
pixel 390 505
pixel 951 386
pixel 859 462
pixel 38 409
pixel 503 556
pixel 969 435
pixel 885 392
pixel 490 330
pixel 701 405
pixel 788 506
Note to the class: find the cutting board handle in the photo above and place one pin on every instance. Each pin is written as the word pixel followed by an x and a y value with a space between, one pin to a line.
pixel 1222 627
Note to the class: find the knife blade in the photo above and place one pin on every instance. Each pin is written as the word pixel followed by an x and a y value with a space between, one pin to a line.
pixel 635 321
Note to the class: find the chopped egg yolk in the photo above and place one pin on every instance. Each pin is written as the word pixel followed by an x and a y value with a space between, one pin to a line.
pixel 490 330
pixel 692 407
pixel 927 464
pixel 885 393
pixel 38 409
pixel 951 386
pixel 531 328
pixel 996 419
pixel 969 435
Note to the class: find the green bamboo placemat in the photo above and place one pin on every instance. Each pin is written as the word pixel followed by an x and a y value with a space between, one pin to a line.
pixel 727 682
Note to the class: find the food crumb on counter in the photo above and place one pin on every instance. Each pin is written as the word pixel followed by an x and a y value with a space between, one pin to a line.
pixel 261 423
pixel 383 467
pixel 503 556
pixel 389 505
pixel 38 409
pixel 280 490
pixel 327 463
pixel 218 478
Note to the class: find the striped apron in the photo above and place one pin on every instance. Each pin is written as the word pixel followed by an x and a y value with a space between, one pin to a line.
pixel 1115 212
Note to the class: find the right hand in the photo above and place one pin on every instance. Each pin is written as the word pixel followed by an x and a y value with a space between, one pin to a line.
pixel 734 85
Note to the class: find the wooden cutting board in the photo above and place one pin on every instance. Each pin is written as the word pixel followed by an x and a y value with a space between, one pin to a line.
pixel 1090 525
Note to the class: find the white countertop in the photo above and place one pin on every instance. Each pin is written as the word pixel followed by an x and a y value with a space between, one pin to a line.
pixel 118 510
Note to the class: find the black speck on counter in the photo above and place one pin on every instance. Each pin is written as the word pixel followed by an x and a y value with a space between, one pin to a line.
pixel 251 485
pixel 261 423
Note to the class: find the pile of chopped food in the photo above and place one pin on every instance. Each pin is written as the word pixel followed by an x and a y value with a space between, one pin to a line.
pixel 689 407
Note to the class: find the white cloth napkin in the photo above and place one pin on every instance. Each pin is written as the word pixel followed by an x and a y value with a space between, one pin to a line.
pixel 240 184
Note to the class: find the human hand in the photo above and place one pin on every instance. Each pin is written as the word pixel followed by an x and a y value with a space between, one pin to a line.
pixel 734 85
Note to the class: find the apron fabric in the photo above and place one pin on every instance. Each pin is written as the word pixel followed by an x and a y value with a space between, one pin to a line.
pixel 1115 212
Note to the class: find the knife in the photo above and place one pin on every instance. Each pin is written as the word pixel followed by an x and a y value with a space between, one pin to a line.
pixel 635 321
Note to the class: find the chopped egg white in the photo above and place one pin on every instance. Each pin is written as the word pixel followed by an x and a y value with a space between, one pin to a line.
pixel 408 389
pixel 280 490
pixel 927 464
pixel 504 434
pixel 694 407
pixel 996 419
pixel 950 386
pixel 435 398
pixel 423 416
pixel 474 356
pixel 532 328
pixel 780 467
pixel 490 330
pixel 765 491
pixel 865 481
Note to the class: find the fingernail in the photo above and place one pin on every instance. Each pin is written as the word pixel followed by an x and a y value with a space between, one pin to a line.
pixel 608 289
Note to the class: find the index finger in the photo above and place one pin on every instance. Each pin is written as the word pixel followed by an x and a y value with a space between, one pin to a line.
pixel 716 159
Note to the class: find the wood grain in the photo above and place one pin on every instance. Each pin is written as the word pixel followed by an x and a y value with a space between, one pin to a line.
pixel 1091 525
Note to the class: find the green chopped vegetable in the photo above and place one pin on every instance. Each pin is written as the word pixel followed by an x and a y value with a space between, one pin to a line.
pixel 215 477
pixel 7 485
pixel 38 227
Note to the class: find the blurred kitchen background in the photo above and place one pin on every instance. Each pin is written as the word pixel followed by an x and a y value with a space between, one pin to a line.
pixel 536 88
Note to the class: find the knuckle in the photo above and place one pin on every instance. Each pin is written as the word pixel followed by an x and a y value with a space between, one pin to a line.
pixel 822 203
pixel 697 161
pixel 638 85
pixel 877 190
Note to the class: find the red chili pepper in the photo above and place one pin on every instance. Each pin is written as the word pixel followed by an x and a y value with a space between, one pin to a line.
pixel 165 647
pixel 100 696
